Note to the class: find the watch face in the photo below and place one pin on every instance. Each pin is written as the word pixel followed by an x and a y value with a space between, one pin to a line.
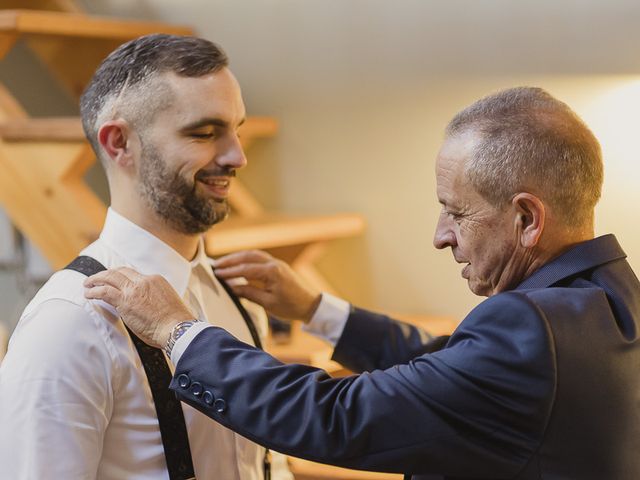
pixel 182 327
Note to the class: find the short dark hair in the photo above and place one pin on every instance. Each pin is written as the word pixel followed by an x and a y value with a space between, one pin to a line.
pixel 135 63
pixel 530 141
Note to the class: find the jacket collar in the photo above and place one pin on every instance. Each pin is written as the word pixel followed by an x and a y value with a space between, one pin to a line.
pixel 584 256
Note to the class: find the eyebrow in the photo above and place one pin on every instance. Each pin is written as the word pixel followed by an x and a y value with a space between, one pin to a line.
pixel 209 121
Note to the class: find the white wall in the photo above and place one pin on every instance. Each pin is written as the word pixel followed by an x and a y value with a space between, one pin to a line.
pixel 363 89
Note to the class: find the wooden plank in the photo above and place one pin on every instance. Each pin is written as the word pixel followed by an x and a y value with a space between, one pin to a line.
pixel 54 5
pixel 58 24
pixel 62 129
pixel 278 230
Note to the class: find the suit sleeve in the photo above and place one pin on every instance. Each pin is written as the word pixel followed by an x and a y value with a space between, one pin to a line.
pixel 372 341
pixel 478 407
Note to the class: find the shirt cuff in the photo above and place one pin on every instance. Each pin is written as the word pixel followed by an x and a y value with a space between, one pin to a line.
pixel 329 319
pixel 185 340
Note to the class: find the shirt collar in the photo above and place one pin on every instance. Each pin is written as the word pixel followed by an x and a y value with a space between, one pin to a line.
pixel 148 254
pixel 582 257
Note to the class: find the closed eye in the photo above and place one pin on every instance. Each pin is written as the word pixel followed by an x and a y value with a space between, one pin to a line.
pixel 202 136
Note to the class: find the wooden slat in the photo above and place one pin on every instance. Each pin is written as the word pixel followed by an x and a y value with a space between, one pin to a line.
pixel 278 230
pixel 58 24
pixel 63 129
pixel 53 5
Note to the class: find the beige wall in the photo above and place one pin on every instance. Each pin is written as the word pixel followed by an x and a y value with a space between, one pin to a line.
pixel 363 89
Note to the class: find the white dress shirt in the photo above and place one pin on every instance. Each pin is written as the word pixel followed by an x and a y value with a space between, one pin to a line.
pixel 74 400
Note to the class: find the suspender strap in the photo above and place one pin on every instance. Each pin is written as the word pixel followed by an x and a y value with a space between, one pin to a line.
pixel 266 463
pixel 170 416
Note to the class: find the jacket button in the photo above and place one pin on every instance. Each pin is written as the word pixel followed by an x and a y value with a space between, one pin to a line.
pixel 184 381
pixel 220 405
pixel 196 389
pixel 207 396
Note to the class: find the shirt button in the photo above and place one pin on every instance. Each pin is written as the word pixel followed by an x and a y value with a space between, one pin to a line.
pixel 207 396
pixel 196 389
pixel 184 381
pixel 220 405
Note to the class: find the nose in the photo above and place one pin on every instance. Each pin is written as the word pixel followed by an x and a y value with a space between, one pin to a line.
pixel 232 155
pixel 444 235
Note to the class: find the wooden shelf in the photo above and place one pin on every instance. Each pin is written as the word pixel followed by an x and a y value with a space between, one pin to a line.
pixel 59 24
pixel 61 129
pixel 279 230
pixel 48 5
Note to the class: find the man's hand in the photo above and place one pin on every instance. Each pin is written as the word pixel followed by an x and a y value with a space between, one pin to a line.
pixel 147 304
pixel 271 283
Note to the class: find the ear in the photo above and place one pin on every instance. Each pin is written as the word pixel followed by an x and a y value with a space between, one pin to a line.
pixel 530 211
pixel 118 142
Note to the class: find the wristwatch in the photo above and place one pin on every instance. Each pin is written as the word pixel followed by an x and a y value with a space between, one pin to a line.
pixel 176 333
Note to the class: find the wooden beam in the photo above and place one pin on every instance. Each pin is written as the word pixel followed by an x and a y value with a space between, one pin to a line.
pixel 54 5
pixel 75 25
pixel 277 230
pixel 62 129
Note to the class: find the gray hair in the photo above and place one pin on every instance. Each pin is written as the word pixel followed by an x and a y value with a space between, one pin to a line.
pixel 530 141
pixel 124 83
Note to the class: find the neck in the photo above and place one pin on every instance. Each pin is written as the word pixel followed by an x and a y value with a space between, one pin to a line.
pixel 186 245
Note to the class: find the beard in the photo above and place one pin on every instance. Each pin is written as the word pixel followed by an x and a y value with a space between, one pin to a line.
pixel 176 199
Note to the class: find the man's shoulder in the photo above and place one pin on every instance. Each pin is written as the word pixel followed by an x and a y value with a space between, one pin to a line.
pixel 551 301
pixel 538 299
pixel 66 286
pixel 59 314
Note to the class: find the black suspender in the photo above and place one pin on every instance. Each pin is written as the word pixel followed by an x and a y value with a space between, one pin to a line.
pixel 170 416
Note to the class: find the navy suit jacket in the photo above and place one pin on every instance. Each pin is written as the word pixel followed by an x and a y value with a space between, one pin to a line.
pixel 540 382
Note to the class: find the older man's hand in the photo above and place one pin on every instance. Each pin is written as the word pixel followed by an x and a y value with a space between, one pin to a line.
pixel 270 283
pixel 146 303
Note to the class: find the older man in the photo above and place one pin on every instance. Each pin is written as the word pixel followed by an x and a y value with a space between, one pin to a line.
pixel 80 397
pixel 539 381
